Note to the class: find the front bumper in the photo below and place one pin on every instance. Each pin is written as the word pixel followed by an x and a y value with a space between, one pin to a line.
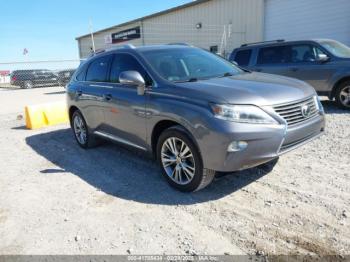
pixel 265 142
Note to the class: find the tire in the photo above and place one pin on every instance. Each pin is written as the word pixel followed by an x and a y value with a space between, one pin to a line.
pixel 87 139
pixel 342 95
pixel 28 85
pixel 184 171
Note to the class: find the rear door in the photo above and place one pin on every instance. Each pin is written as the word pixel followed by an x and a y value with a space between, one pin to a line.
pixel 273 60
pixel 90 91
pixel 125 110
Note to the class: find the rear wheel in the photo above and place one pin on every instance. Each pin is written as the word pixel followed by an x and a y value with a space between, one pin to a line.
pixel 28 85
pixel 81 131
pixel 342 96
pixel 181 161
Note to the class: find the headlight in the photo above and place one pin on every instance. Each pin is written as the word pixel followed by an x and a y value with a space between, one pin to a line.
pixel 242 114
pixel 318 104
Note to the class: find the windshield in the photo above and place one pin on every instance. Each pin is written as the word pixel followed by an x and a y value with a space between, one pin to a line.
pixel 189 64
pixel 336 48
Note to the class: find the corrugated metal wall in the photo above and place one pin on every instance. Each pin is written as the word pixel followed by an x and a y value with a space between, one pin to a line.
pixel 224 23
pixel 305 19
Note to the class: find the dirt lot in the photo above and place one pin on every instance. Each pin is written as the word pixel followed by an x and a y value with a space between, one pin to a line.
pixel 56 198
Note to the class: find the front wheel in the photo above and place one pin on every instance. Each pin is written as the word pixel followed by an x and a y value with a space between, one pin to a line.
pixel 181 161
pixel 342 96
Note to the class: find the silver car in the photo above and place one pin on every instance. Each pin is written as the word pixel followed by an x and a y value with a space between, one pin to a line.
pixel 195 111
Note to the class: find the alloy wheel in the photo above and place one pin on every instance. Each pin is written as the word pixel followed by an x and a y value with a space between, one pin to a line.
pixel 28 85
pixel 178 161
pixel 79 129
pixel 344 96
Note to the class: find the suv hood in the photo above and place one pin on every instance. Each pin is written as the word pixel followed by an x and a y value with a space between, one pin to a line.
pixel 249 88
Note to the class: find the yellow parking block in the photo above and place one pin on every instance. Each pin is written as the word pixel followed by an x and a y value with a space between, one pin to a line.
pixel 38 116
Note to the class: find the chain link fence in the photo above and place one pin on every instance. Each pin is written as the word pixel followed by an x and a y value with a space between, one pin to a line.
pixel 220 39
pixel 30 74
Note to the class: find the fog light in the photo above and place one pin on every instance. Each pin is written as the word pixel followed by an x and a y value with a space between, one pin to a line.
pixel 236 146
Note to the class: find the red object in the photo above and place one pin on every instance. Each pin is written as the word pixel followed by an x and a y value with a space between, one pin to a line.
pixel 4 72
pixel 13 78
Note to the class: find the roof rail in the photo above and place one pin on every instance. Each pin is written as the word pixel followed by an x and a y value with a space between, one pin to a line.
pixel 184 44
pixel 102 50
pixel 264 42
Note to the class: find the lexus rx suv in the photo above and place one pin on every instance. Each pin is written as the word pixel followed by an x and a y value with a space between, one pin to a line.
pixel 195 111
pixel 323 63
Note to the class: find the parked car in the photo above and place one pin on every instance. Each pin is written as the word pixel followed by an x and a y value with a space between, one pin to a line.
pixel 195 111
pixel 323 63
pixel 64 76
pixel 33 78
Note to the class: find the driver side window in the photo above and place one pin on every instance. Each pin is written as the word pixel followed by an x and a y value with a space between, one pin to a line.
pixel 304 53
pixel 126 62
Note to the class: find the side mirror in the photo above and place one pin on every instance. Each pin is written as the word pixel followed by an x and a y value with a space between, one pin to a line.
pixel 322 58
pixel 133 78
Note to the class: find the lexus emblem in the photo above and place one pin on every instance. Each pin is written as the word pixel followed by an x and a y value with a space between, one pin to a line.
pixel 306 110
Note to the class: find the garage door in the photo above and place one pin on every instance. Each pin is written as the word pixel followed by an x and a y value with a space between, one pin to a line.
pixel 305 19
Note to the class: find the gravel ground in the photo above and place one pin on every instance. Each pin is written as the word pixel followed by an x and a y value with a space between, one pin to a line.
pixel 56 198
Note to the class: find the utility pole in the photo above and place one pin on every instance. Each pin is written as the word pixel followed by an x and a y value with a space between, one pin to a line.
pixel 92 36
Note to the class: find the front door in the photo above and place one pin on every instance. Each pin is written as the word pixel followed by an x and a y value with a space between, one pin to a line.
pixel 125 112
pixel 304 66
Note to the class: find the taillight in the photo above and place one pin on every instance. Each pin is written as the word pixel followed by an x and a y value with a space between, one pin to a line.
pixel 14 78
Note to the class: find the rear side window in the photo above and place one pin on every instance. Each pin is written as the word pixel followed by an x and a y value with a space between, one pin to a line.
pixel 274 55
pixel 243 57
pixel 80 76
pixel 125 62
pixel 98 70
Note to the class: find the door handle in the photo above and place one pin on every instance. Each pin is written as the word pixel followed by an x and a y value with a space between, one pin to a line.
pixel 107 97
pixel 258 70
pixel 294 69
pixel 79 93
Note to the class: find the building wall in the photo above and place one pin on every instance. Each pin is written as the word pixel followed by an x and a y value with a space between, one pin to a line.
pixel 225 23
pixel 300 19
pixel 85 43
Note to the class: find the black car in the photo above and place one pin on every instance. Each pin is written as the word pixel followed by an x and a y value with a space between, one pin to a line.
pixel 323 63
pixel 64 76
pixel 33 78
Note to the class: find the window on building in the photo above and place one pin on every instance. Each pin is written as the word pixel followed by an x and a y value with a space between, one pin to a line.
pixel 214 49
pixel 243 57
pixel 125 62
pixel 274 55
pixel 98 70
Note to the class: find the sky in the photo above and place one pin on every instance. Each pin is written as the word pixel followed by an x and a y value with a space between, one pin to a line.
pixel 47 29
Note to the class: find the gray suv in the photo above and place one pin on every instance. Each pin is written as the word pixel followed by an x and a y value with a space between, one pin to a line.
pixel 323 63
pixel 195 111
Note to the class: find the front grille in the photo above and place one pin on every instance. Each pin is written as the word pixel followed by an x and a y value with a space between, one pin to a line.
pixel 293 112
pixel 293 144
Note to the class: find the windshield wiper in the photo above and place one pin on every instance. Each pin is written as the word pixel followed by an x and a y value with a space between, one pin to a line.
pixel 193 79
pixel 227 74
